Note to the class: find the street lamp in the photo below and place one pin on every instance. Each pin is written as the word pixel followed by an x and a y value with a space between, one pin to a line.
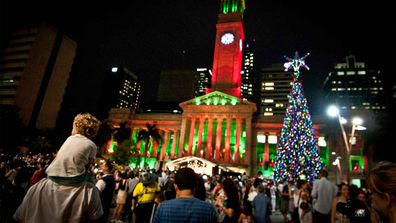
pixel 333 111
pixel 337 165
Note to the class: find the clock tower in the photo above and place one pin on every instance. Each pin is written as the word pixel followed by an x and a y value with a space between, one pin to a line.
pixel 227 61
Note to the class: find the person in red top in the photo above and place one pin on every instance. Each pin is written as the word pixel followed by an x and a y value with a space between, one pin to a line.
pixel 39 173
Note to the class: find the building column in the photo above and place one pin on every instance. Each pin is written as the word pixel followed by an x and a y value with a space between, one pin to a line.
pixel 218 138
pixel 266 151
pixel 175 138
pixel 191 138
pixel 249 149
pixel 163 150
pixel 208 153
pixel 228 139
pixel 182 136
pixel 200 133
pixel 237 139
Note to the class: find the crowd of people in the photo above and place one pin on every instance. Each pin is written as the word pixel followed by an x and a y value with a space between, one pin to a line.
pixel 75 186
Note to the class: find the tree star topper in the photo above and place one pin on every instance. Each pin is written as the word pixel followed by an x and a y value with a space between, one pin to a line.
pixel 296 63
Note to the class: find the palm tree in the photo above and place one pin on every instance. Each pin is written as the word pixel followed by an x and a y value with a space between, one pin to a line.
pixel 122 135
pixel 151 134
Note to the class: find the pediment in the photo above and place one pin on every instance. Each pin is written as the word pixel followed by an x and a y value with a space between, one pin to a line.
pixel 215 98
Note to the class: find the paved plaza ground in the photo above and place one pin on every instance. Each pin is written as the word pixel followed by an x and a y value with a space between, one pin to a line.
pixel 276 217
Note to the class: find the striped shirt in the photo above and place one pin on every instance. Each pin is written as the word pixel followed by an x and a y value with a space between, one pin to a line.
pixel 186 210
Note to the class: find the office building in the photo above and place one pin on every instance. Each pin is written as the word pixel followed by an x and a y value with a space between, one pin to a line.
pixel 34 72
pixel 247 89
pixel 274 90
pixel 203 81
pixel 121 89
pixel 352 86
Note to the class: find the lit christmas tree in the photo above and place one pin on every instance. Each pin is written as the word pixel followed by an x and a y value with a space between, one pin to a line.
pixel 298 155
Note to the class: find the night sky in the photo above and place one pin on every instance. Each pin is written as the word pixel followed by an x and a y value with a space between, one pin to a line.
pixel 151 35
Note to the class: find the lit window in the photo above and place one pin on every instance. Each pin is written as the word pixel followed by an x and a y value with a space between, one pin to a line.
pixel 269 88
pixel 340 73
pixel 350 72
pixel 269 84
pixel 322 142
pixel 361 72
pixel 114 69
pixel 272 139
pixel 268 114
pixel 261 138
pixel 268 100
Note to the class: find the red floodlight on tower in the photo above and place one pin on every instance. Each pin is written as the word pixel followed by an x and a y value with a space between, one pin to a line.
pixel 227 61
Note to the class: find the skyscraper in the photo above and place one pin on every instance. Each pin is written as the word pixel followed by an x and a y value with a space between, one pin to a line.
pixel 203 81
pixel 34 73
pixel 352 86
pixel 274 89
pixel 121 89
pixel 247 73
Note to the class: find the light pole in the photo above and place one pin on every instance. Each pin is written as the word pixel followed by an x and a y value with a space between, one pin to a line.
pixel 333 111
pixel 356 125
pixel 336 163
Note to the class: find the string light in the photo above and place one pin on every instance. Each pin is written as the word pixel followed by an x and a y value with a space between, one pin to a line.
pixel 297 157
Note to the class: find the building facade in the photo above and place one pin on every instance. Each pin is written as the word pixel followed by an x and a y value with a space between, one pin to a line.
pixel 121 89
pixel 203 81
pixel 218 126
pixel 274 89
pixel 34 72
pixel 352 86
pixel 357 91
pixel 247 89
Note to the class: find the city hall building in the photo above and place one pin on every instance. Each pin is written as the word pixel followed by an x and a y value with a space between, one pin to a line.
pixel 219 126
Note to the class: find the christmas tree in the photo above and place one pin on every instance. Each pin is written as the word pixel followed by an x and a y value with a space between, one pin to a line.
pixel 297 156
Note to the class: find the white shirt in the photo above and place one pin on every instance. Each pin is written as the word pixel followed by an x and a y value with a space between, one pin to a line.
pixel 47 201
pixel 72 157
pixel 323 192
pixel 101 184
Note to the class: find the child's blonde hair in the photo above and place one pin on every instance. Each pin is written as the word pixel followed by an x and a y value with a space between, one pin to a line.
pixel 86 124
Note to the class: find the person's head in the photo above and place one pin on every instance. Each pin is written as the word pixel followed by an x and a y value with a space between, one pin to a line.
pixel 304 206
pixel 106 166
pixel 86 125
pixel 185 179
pixel 343 188
pixel 362 196
pixel 230 189
pixel 381 180
pixel 261 189
pixel 147 179
pixel 40 165
pixel 323 173
pixel 200 190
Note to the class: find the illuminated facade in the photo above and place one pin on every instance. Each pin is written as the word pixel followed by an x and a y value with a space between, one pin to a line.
pixel 227 61
pixel 218 126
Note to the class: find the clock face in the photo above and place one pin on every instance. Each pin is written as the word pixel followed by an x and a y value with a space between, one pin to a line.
pixel 227 38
